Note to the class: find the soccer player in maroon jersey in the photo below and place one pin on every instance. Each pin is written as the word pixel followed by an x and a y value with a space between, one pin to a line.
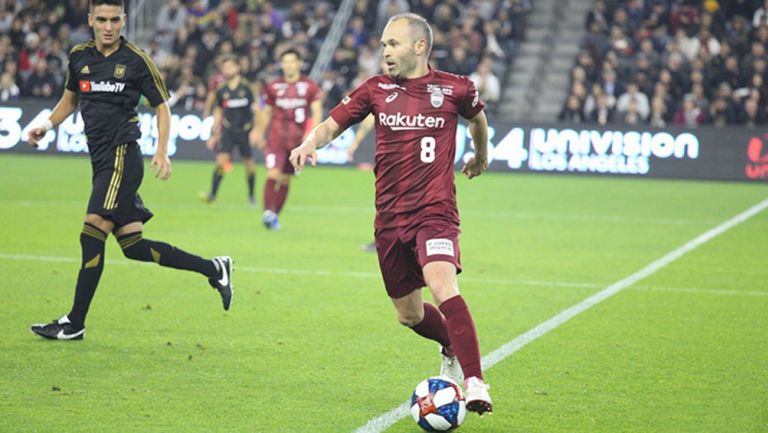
pixel 289 101
pixel 416 111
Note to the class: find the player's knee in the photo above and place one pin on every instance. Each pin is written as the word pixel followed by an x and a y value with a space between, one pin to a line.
pixel 128 244
pixel 410 318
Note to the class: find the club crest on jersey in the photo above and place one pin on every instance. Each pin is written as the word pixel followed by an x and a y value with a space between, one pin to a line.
pixel 119 72
pixel 346 100
pixel 85 70
pixel 436 97
pixel 391 97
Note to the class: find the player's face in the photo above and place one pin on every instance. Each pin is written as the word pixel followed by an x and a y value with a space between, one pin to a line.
pixel 400 59
pixel 107 22
pixel 230 69
pixel 291 65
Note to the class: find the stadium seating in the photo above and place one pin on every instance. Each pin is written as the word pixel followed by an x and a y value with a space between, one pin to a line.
pixel 685 63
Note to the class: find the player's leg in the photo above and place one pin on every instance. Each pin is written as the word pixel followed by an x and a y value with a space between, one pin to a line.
pixel 250 178
pixel 218 270
pixel 107 174
pixel 283 184
pixel 222 159
pixel 271 193
pixel 438 252
pixel 403 281
pixel 250 168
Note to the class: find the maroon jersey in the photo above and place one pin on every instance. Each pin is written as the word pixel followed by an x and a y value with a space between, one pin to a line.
pixel 415 142
pixel 291 111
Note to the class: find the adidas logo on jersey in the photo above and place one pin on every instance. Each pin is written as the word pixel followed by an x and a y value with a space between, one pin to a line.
pixel 404 122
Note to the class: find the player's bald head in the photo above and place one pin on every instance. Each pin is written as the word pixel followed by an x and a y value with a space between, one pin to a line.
pixel 418 27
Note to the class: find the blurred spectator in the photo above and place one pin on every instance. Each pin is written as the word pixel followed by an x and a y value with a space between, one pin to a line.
pixel 602 114
pixel 571 112
pixel 689 114
pixel 487 84
pixel 761 15
pixel 171 18
pixel 9 91
pixel 659 116
pixel 41 84
pixel 752 114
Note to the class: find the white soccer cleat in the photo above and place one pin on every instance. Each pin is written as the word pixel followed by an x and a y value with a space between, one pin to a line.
pixel 478 398
pixel 451 368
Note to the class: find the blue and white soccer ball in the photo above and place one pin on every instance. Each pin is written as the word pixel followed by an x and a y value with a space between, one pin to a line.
pixel 438 404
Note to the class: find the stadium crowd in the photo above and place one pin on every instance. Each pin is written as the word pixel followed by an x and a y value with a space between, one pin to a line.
pixel 673 62
pixel 472 37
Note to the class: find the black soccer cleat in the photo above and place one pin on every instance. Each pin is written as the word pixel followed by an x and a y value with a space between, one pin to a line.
pixel 223 283
pixel 60 329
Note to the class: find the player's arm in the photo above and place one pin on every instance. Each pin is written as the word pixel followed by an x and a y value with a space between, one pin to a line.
pixel 66 106
pixel 366 126
pixel 161 164
pixel 261 120
pixel 218 114
pixel 316 107
pixel 210 98
pixel 478 129
pixel 320 135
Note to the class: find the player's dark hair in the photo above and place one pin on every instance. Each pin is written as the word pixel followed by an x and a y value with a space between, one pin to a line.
pixel 95 3
pixel 293 51
pixel 419 27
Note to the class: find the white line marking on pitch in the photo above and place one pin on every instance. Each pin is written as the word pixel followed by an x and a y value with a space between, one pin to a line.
pixel 312 272
pixel 386 420
pixel 700 291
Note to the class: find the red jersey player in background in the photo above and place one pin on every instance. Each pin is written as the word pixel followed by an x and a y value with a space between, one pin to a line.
pixel 288 102
pixel 416 111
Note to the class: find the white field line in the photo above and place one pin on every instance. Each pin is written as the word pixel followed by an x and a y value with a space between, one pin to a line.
pixel 362 210
pixel 374 275
pixel 386 420
pixel 721 292
pixel 309 272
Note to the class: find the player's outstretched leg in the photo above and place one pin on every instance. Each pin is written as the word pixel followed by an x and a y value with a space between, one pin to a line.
pixel 72 326
pixel 218 270
pixel 461 329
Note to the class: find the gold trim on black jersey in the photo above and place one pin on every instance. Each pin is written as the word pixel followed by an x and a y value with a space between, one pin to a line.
pixel 110 201
pixel 156 77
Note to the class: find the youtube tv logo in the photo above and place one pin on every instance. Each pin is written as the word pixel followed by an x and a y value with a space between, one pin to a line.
pixel 757 156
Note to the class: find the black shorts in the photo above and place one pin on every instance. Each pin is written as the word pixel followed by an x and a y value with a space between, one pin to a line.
pixel 115 186
pixel 231 140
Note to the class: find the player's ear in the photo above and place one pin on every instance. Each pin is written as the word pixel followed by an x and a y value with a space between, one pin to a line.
pixel 421 46
pixel 90 20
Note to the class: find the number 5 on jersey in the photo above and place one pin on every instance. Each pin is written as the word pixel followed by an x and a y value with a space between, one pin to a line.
pixel 428 149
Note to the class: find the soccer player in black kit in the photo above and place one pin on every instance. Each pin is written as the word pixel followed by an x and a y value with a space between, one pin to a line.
pixel 106 77
pixel 234 115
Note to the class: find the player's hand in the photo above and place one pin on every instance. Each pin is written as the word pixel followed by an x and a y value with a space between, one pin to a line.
pixel 212 142
pixel 300 155
pixel 475 167
pixel 161 166
pixel 257 140
pixel 36 134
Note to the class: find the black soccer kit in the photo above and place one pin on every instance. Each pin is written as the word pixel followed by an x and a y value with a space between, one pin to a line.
pixel 237 117
pixel 109 89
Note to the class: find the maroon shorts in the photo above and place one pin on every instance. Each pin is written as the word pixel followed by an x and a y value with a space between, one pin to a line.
pixel 404 251
pixel 277 157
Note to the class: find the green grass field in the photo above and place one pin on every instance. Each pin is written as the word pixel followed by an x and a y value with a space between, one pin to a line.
pixel 311 343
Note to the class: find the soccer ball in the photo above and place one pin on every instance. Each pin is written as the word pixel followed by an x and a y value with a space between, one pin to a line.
pixel 438 404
